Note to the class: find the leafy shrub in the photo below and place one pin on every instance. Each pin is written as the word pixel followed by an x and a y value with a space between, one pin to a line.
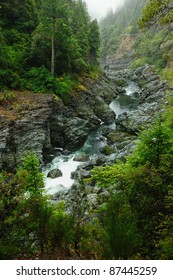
pixel 10 79
pixel 119 237
pixel 6 96
pixel 138 62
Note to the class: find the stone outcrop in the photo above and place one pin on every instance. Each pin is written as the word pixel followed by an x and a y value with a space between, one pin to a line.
pixel 29 130
pixel 151 97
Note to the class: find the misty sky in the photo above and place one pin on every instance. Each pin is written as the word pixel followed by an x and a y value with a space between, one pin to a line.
pixel 99 8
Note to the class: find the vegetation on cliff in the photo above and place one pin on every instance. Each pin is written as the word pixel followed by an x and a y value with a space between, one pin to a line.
pixel 146 27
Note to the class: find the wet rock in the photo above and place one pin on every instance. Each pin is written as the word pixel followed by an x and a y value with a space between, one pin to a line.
pixel 55 173
pixel 103 111
pixel 82 158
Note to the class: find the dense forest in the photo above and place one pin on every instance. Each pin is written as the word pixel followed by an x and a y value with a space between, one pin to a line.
pixel 42 41
pixel 46 46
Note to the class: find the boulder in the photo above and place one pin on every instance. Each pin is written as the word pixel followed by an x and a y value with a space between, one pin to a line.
pixel 82 158
pixel 55 173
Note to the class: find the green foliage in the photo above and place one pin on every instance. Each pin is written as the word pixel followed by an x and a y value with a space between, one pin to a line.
pixel 156 12
pixel 148 50
pixel 154 46
pixel 138 63
pixel 19 15
pixel 31 178
pixel 94 39
pixel 145 181
pixel 122 21
pixel 10 227
pixel 28 221
pixel 108 175
pixel 119 236
pixel 6 96
pixel 26 43
pixel 154 145
pixel 61 227
pixel 167 74
pixel 41 80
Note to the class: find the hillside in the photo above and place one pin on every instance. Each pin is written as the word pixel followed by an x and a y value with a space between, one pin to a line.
pixel 121 39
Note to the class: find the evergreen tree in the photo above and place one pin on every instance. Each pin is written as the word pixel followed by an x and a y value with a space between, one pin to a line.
pixel 119 236
pixel 18 15
pixel 94 40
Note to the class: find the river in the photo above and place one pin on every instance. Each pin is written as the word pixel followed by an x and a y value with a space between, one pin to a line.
pixel 66 163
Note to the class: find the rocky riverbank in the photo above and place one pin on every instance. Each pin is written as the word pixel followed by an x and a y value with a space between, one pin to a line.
pixel 151 98
pixel 41 122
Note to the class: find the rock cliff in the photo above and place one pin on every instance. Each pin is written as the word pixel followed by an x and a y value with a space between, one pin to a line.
pixel 41 122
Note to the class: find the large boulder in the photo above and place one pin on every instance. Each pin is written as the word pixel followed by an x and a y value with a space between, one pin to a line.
pixel 55 173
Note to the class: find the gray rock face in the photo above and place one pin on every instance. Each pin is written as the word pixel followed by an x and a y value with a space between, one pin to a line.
pixel 28 132
pixel 46 123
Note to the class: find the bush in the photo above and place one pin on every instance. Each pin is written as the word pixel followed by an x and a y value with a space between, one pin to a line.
pixel 40 80
pixel 119 237
pixel 138 63
pixel 167 74
pixel 6 96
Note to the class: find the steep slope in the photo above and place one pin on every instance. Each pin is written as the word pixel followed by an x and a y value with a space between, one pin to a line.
pixel 125 45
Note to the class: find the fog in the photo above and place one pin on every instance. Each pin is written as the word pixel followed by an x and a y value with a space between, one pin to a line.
pixel 99 8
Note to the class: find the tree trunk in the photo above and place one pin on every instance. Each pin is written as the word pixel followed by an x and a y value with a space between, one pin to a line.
pixel 53 47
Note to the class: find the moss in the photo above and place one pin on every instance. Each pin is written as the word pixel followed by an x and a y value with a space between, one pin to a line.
pixel 167 74
pixel 120 82
pixel 107 150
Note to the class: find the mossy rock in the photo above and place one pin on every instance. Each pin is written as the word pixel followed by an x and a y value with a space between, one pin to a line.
pixel 116 137
pixel 107 150
pixel 120 82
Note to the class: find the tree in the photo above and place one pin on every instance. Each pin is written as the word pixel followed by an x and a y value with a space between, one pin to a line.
pixel 11 226
pixel 20 15
pixel 119 236
pixel 50 12
pixel 145 181
pixel 80 26
pixel 94 40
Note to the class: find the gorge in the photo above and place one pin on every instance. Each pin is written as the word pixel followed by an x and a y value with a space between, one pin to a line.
pixel 86 131
pixel 125 99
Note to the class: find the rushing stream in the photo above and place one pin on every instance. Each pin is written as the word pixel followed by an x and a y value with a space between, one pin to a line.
pixel 95 141
pixel 125 102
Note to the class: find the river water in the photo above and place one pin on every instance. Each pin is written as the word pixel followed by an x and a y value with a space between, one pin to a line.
pixel 123 103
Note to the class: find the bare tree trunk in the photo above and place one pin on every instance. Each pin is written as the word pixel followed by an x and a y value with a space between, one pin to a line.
pixel 53 47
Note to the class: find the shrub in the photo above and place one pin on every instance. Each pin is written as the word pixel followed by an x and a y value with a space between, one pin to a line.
pixel 167 74
pixel 41 80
